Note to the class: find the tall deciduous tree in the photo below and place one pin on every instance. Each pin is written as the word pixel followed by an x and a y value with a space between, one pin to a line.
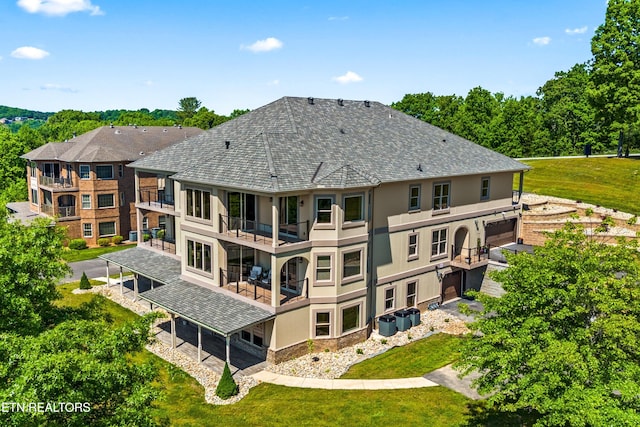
pixel 615 91
pixel 564 340
pixel 187 107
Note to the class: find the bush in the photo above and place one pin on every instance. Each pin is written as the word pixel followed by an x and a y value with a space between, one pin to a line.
pixel 146 237
pixel 77 244
pixel 117 240
pixel 161 234
pixel 105 241
pixel 227 387
pixel 84 282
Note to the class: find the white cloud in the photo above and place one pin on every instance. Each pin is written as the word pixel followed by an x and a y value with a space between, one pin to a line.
pixel 270 43
pixel 338 18
pixel 275 82
pixel 349 77
pixel 59 7
pixel 575 31
pixel 542 41
pixel 59 88
pixel 148 83
pixel 29 52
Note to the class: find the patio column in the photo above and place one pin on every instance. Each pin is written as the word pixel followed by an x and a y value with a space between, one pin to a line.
pixel 107 274
pixel 121 281
pixel 275 218
pixel 152 283
pixel 173 331
pixel 135 287
pixel 275 282
pixel 228 339
pixel 199 344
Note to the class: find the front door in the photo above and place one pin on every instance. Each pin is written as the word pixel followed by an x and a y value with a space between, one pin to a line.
pixel 452 286
pixel 242 210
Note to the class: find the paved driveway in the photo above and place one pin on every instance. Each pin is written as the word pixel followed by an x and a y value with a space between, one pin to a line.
pixel 93 268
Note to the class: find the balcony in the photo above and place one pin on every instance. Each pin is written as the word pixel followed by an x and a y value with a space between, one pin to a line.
pixel 62 212
pixel 469 258
pixel 163 245
pixel 57 183
pixel 260 289
pixel 153 197
pixel 253 231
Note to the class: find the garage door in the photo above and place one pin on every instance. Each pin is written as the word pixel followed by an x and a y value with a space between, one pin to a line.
pixel 452 286
pixel 500 232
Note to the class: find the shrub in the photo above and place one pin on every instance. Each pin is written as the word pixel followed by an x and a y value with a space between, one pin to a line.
pixel 310 345
pixel 359 351
pixel 84 281
pixel 117 240
pixel 104 241
pixel 227 387
pixel 77 244
pixel 146 237
pixel 161 234
pixel 588 212
pixel 632 220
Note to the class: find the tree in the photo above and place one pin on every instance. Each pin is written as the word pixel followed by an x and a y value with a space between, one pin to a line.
pixel 30 266
pixel 188 107
pixel 227 387
pixel 615 90
pixel 204 119
pixel 563 341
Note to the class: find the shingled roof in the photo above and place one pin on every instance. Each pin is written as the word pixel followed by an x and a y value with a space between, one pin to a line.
pixel 295 144
pixel 113 144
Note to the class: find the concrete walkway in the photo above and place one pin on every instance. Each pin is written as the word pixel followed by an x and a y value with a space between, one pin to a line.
pixel 343 384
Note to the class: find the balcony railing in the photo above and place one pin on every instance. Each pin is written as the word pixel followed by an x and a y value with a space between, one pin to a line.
pixel 59 182
pixel 61 211
pixel 515 197
pixel 470 255
pixel 155 197
pixel 261 289
pixel 245 229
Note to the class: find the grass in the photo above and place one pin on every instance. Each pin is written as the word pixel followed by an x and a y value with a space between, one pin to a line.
pixel 411 360
pixel 74 255
pixel 608 182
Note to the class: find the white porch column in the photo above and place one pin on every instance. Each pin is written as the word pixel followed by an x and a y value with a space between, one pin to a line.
pixel 135 287
pixel 173 331
pixel 107 274
pixel 199 344
pixel 228 339
pixel 275 282
pixel 121 282
pixel 275 218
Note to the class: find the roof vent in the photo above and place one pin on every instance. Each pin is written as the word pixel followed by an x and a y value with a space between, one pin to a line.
pixel 342 131
pixel 310 100
pixel 179 126
pixel 226 144
pixel 341 102
pixel 419 167
pixel 111 125
pixel 117 132
pixel 135 126
pixel 164 130
pixel 367 104
pixel 144 130
pixel 444 140
pixel 142 153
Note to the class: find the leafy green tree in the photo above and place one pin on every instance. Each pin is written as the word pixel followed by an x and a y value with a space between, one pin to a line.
pixel 188 107
pixel 227 387
pixel 204 119
pixel 563 341
pixel 473 118
pixel 238 112
pixel 30 267
pixel 615 90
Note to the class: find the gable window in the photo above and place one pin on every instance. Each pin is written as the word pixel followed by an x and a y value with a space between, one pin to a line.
pixel 86 201
pixel 105 201
pixel 323 209
pixel 323 268
pixel 104 171
pixel 350 318
pixel 199 204
pixel 107 228
pixel 441 193
pixel 323 324
pixel 351 264
pixel 353 208
pixel 411 293
pixel 414 197
pixel 87 229
pixel 85 171
pixel 120 170
pixel 439 242
pixel 413 246
pixel 199 255
pixel 484 188
pixel 389 299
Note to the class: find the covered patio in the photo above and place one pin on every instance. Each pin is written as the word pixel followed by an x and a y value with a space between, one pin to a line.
pixel 207 318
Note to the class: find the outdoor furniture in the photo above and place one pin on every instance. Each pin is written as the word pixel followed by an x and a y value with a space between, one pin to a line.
pixel 266 280
pixel 255 274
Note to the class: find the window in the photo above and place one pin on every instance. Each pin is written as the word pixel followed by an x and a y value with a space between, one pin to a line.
pixel 351 265
pixel 484 188
pixel 145 223
pixel 439 242
pixel 87 230
pixel 323 268
pixel 199 255
pixel 107 228
pixel 254 335
pixel 122 199
pixel 353 208
pixel 86 201
pixel 389 299
pixel 440 196
pixel 323 324
pixel 413 246
pixel 323 209
pixel 414 197
pixel 199 204
pixel 350 318
pixel 105 201
pixel 162 221
pixel 34 196
pixel 104 171
pixel 120 170
pixel 84 171
pixel 411 293
pixel 34 168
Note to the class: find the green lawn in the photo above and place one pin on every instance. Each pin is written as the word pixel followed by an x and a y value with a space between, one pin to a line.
pixel 73 255
pixel 610 182
pixel 412 360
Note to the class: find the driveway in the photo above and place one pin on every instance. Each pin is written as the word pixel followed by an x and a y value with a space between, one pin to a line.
pixel 453 308
pixel 93 267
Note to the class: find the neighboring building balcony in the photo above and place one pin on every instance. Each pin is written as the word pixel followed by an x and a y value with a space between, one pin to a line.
pixel 253 231
pixel 150 198
pixel 62 212
pixel 258 286
pixel 469 258
pixel 163 245
pixel 57 183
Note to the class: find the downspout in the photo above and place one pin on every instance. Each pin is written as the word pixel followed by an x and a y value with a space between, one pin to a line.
pixel 371 297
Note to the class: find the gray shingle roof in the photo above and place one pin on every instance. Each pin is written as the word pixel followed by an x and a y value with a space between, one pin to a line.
pixel 292 145
pixel 111 144
pixel 209 308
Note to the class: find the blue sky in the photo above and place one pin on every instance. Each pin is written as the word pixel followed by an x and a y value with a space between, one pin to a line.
pixel 107 54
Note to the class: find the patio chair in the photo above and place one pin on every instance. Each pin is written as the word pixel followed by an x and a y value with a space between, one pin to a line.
pixel 254 275
pixel 266 280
